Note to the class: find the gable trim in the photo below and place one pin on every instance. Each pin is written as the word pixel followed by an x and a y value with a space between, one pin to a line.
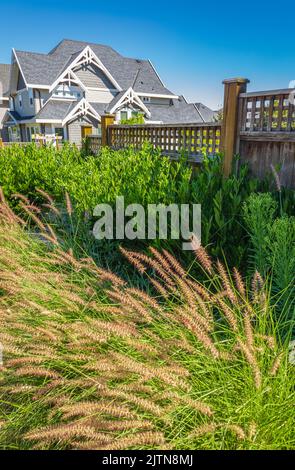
pixel 130 96
pixel 41 87
pixel 87 56
pixel 158 95
pixel 68 76
pixel 83 108
pixel 14 120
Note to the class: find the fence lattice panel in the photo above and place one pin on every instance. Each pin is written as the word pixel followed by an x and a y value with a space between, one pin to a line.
pixel 171 139
pixel 268 112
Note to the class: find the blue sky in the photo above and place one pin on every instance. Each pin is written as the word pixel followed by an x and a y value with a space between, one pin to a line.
pixel 194 45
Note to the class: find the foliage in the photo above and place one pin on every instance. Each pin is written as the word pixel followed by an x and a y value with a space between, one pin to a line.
pixel 259 212
pixel 141 177
pixel 272 247
pixel 134 120
pixel 86 149
pixel 93 362
pixel 222 199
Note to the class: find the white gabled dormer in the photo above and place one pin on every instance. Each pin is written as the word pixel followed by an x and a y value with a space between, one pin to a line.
pixel 85 57
pixel 82 108
pixel 128 100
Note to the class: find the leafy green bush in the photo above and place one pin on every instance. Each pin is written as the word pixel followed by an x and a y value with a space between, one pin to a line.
pixel 222 200
pixel 272 250
pixel 141 177
pixel 137 119
pixel 259 212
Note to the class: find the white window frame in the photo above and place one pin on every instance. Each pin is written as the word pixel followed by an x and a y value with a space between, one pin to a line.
pixel 67 92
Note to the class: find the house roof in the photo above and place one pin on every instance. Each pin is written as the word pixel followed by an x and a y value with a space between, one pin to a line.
pixel 59 110
pixel 18 117
pixel 56 109
pixel 179 111
pixel 206 113
pixel 100 108
pixel 115 100
pixel 44 69
pixel 4 78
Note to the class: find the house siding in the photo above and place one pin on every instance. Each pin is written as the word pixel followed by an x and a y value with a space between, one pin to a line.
pixel 20 81
pixel 75 131
pixel 3 130
pixel 40 97
pixel 26 109
pixel 92 76
pixel 3 108
pixel 155 100
pixel 99 96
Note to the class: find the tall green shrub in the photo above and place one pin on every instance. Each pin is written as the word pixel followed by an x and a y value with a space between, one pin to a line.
pixel 259 212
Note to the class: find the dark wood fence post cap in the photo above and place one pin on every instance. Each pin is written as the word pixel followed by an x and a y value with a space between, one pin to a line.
pixel 235 80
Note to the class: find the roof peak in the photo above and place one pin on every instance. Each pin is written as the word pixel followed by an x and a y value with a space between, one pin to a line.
pixel 77 41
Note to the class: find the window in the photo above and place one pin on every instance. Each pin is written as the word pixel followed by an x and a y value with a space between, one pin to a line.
pixel 66 91
pixel 134 114
pixel 146 99
pixel 59 131
pixel 124 115
pixel 20 101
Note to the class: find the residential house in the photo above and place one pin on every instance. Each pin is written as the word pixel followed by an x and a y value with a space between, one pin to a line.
pixel 4 97
pixel 65 92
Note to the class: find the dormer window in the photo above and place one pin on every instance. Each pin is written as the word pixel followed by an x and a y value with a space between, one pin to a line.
pixel 68 92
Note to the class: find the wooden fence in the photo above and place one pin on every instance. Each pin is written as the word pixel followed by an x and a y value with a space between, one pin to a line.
pixel 267 133
pixel 259 127
pixel 171 139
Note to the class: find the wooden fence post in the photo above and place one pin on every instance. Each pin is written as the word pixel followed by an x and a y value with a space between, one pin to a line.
pixel 106 121
pixel 232 89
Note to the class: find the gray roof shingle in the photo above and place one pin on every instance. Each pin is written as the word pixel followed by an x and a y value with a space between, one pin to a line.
pixel 100 108
pixel 18 117
pixel 114 101
pixel 179 112
pixel 56 109
pixel 206 113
